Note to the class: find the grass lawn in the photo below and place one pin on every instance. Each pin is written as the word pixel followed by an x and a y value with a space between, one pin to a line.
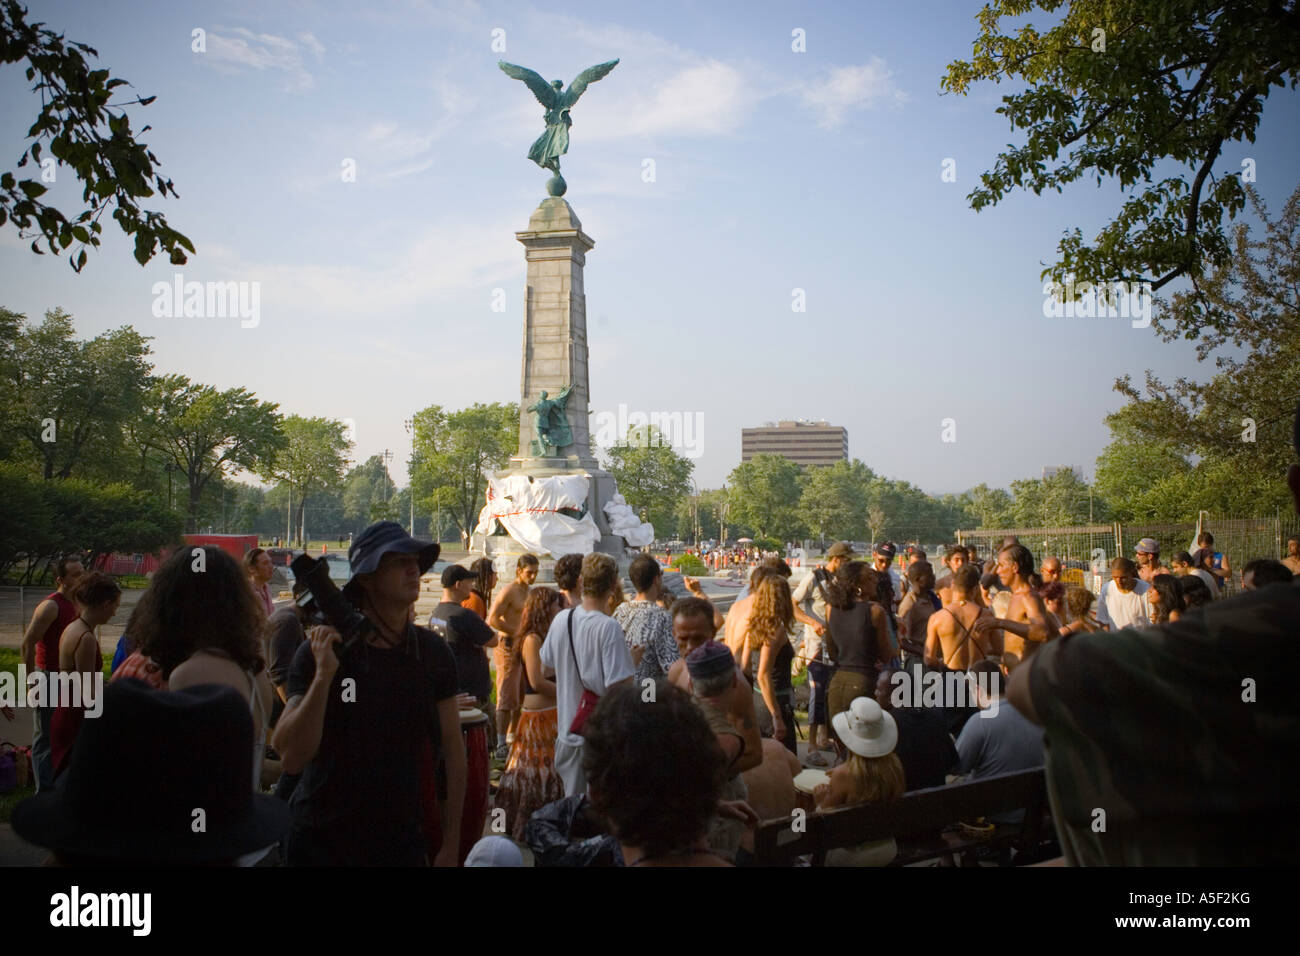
pixel 11 657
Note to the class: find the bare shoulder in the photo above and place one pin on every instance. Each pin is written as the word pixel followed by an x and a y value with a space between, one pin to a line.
pixel 205 668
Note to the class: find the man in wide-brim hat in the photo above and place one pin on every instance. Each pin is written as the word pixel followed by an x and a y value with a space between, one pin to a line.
pixel 360 729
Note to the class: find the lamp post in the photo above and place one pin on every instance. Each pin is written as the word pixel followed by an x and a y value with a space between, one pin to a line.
pixel 409 425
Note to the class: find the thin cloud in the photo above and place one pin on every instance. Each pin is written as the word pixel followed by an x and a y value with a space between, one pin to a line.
pixel 240 50
pixel 849 88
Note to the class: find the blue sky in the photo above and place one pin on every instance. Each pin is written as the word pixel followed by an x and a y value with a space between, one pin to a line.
pixel 774 170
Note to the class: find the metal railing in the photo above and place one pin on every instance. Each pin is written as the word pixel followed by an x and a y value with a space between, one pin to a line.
pixel 1090 548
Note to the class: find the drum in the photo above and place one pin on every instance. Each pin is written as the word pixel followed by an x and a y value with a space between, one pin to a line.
pixel 804 784
pixel 474 728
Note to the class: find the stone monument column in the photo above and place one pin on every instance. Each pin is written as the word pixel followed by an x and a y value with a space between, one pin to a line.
pixel 555 325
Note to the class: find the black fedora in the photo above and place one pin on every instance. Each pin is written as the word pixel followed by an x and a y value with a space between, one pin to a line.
pixel 143 769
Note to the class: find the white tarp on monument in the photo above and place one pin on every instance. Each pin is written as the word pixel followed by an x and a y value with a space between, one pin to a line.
pixel 529 510
pixel 623 521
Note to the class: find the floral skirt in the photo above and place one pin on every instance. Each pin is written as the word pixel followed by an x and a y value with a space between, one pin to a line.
pixel 530 781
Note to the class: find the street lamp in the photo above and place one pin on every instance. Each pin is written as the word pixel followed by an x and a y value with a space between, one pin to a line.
pixel 409 425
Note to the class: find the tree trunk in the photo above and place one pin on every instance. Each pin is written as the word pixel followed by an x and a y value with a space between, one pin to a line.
pixel 298 519
pixel 192 519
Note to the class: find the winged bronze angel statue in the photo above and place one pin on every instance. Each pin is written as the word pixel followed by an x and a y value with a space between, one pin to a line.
pixel 554 143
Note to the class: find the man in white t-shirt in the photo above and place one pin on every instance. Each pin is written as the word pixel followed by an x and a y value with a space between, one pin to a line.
pixel 593 656
pixel 1122 603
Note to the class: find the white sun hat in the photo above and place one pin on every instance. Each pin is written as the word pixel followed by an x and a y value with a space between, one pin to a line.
pixel 866 729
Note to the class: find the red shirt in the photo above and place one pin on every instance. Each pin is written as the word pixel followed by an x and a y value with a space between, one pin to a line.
pixel 47 648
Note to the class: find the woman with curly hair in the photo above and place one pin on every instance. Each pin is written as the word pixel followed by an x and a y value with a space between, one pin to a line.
pixel 768 631
pixel 1078 606
pixel 857 633
pixel 201 623
pixel 530 781
pixel 659 818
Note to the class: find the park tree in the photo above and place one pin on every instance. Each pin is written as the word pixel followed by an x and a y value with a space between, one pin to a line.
pixel 368 494
pixel 206 434
pixel 991 507
pixel 652 478
pixel 453 451
pixel 80 129
pixel 763 495
pixel 47 519
pixel 1056 501
pixel 1148 94
pixel 312 461
pixel 1235 426
pixel 66 401
pixel 833 501
pixel 708 510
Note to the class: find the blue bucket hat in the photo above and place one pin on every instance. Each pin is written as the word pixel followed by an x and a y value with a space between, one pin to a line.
pixel 381 538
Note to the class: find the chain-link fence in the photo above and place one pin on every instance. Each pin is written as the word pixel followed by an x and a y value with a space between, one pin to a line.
pixel 1085 551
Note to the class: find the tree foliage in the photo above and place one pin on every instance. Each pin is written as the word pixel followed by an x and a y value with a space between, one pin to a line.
pixel 65 400
pixel 204 433
pixel 651 477
pixel 82 131
pixel 1222 444
pixel 764 495
pixel 1121 86
pixel 834 500
pixel 313 459
pixel 47 519
pixel 452 452
pixel 369 494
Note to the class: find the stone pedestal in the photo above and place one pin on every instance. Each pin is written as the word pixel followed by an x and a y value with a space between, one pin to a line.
pixel 555 323
pixel 555 357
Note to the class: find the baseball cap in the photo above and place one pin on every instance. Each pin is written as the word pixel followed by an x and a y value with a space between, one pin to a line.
pixel 886 549
pixel 1148 546
pixel 840 549
pixel 453 574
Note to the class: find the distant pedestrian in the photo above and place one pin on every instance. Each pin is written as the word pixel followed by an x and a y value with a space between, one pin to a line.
pixel 40 652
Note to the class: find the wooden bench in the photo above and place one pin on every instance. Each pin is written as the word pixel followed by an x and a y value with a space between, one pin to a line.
pixel 916 821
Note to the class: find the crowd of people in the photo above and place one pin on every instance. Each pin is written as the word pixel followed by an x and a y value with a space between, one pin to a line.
pixel 659 729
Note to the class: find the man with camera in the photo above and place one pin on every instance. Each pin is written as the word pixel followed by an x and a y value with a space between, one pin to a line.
pixel 363 708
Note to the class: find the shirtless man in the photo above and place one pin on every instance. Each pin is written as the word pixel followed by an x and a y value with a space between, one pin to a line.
pixel 917 607
pixel 1026 624
pixel 692 629
pixel 1051 570
pixel 504 617
pixel 950 638
pixel 1292 559
pixel 953 558
pixel 1148 559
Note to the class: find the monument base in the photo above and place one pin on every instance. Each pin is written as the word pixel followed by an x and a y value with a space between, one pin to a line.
pixel 601 488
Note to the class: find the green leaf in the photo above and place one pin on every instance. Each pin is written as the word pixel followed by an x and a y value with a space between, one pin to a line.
pixel 31 188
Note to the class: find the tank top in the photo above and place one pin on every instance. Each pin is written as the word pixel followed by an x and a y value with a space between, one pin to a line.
pixel 523 666
pixel 782 682
pixel 47 648
pixel 66 721
pixel 854 637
